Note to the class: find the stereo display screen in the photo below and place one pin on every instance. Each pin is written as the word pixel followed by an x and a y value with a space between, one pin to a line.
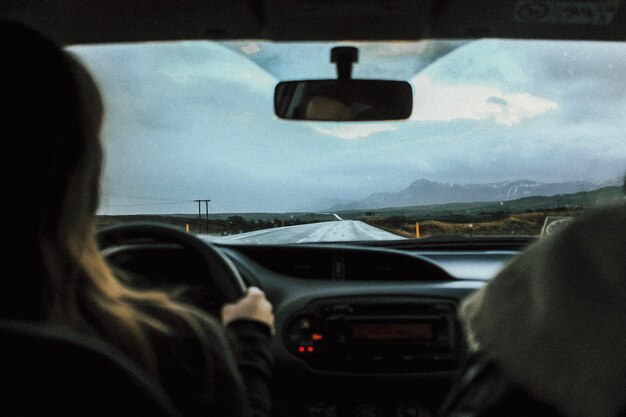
pixel 422 332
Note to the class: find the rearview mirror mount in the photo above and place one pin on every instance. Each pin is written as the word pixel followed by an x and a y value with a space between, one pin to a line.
pixel 343 99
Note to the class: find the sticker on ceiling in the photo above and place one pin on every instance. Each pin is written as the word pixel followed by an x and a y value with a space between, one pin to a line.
pixel 598 12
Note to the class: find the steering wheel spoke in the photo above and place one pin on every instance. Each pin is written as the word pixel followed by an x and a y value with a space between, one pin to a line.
pixel 215 279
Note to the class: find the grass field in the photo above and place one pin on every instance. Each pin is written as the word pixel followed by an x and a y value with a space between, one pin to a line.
pixel 522 224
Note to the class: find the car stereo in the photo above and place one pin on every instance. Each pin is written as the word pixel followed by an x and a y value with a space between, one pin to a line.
pixel 385 336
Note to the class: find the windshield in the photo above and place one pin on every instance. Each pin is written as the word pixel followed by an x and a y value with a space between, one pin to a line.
pixel 506 138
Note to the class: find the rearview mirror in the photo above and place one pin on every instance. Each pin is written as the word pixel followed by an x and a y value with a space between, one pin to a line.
pixel 343 99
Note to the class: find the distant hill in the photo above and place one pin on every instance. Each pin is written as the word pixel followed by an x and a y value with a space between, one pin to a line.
pixel 487 211
pixel 425 192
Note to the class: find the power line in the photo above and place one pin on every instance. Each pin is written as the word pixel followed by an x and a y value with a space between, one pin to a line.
pixel 144 204
pixel 135 197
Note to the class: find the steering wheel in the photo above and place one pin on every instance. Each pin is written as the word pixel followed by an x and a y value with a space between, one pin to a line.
pixel 153 244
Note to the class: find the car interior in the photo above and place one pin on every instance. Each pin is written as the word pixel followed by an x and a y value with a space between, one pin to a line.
pixel 363 328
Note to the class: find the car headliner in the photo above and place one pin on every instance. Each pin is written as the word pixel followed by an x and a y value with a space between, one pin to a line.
pixel 93 21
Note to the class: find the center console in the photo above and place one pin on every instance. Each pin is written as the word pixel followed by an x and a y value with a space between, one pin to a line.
pixel 398 335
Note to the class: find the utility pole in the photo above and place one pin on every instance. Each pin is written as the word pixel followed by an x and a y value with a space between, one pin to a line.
pixel 206 205
pixel 199 217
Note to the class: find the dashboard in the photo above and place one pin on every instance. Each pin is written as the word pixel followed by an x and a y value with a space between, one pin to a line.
pixel 365 331
pixel 360 331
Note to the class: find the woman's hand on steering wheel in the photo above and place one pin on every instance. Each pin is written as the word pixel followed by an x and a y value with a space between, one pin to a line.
pixel 253 306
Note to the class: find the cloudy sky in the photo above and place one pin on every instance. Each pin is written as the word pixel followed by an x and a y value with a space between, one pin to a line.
pixel 194 120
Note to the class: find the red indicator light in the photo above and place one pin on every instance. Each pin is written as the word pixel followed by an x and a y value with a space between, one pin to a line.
pixel 309 349
pixel 317 337
pixel 301 349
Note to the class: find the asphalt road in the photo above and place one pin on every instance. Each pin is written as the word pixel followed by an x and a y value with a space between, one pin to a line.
pixel 332 231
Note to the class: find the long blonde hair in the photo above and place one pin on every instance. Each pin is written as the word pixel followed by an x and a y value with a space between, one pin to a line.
pixel 71 283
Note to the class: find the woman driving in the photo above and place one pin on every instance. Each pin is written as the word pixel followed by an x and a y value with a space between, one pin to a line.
pixel 51 162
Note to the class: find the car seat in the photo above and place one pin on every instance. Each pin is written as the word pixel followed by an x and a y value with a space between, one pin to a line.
pixel 49 370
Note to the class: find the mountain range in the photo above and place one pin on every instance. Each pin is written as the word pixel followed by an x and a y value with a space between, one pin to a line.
pixel 424 192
